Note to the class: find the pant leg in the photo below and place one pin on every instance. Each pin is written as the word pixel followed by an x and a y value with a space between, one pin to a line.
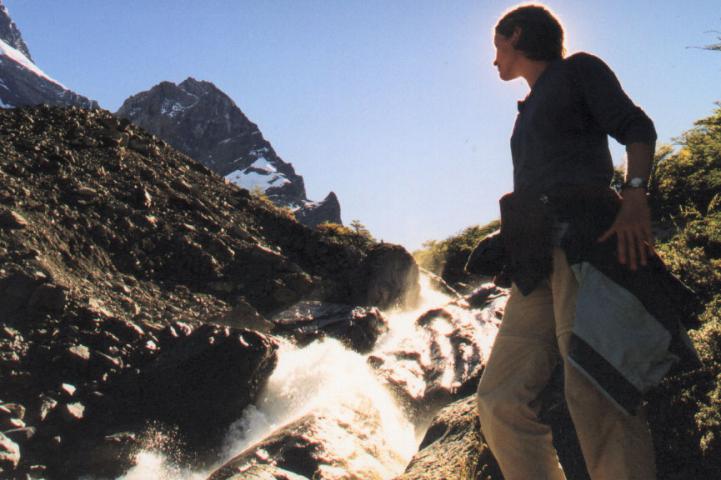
pixel 615 446
pixel 519 367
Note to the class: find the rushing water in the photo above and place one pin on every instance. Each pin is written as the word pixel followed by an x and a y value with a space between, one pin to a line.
pixel 327 380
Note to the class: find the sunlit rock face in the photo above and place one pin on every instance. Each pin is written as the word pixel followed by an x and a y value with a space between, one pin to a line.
pixel 22 83
pixel 201 121
pixel 440 355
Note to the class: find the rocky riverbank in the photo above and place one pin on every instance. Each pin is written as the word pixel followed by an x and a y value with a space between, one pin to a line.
pixel 135 285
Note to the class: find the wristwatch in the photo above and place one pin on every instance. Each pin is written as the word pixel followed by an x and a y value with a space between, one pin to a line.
pixel 635 182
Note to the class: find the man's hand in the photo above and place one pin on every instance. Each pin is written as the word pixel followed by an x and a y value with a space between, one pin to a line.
pixel 632 228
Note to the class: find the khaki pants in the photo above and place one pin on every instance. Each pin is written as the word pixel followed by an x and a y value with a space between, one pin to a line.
pixel 534 328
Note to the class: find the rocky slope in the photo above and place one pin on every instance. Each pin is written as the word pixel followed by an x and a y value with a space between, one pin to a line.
pixel 201 121
pixel 116 251
pixel 21 81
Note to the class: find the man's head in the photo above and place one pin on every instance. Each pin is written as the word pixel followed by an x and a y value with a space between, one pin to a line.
pixel 529 32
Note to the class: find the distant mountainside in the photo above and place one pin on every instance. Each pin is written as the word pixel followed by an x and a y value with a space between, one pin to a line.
pixel 201 121
pixel 10 34
pixel 22 83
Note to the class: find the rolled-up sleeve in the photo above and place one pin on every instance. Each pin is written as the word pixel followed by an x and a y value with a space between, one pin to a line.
pixel 608 104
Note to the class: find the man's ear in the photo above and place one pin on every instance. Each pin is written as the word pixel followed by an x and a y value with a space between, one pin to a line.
pixel 515 36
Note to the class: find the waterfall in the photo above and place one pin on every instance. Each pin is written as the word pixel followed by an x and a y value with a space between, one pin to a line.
pixel 348 400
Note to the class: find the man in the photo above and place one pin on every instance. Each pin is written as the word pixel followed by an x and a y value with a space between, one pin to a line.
pixel 560 144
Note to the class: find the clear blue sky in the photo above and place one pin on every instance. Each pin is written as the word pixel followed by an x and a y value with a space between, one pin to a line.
pixel 393 104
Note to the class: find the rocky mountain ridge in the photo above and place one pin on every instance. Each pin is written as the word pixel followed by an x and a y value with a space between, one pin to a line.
pixel 200 120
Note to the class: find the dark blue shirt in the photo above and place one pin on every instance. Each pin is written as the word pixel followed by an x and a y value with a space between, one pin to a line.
pixel 561 132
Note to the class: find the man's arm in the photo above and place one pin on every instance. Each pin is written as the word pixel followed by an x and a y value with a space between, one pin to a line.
pixel 633 222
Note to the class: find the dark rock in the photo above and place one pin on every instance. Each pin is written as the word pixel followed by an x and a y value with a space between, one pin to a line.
pixel 9 454
pixel 390 277
pixel 482 295
pixel 453 447
pixel 20 435
pixel 8 423
pixel 12 220
pixel 313 214
pixel 356 327
pixel 431 315
pixel 199 385
pixel 14 409
pixel 50 298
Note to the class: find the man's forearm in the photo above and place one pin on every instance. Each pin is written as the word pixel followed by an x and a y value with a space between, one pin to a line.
pixel 639 160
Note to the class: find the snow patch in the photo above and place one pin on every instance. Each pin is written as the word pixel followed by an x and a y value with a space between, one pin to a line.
pixel 260 174
pixel 5 105
pixel 17 56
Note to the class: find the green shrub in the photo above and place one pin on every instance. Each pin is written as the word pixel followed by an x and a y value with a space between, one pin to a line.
pixel 448 257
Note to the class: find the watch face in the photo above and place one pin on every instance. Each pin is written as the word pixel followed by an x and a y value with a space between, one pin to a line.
pixel 636 182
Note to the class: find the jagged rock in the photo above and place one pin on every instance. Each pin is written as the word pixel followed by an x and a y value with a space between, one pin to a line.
pixel 314 446
pixel 313 214
pixel 356 327
pixel 9 454
pixel 12 220
pixel 20 435
pixel 453 447
pixel 45 407
pixel 14 409
pixel 73 412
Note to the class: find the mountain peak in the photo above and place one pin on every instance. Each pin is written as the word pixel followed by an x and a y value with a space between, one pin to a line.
pixel 10 34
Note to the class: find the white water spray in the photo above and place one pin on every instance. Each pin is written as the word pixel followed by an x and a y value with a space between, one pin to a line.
pixel 326 380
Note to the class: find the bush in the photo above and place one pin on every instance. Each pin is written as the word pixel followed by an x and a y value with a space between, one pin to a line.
pixel 448 257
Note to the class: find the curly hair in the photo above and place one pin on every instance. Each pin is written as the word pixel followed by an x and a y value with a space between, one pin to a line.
pixel 541 33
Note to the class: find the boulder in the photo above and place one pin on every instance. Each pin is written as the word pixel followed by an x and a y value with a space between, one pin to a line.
pixel 453 447
pixel 199 385
pixel 9 454
pixel 317 446
pixel 356 327
pixel 389 278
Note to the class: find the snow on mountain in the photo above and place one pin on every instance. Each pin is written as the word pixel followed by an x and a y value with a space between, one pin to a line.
pixel 22 82
pixel 10 34
pixel 15 55
pixel 201 121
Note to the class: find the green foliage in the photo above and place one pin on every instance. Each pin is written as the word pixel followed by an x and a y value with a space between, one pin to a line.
pixel 447 257
pixel 259 194
pixel 361 229
pixel 338 233
pixel 690 177
pixel 686 195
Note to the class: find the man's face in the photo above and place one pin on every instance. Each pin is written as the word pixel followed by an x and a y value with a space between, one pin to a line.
pixel 506 56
